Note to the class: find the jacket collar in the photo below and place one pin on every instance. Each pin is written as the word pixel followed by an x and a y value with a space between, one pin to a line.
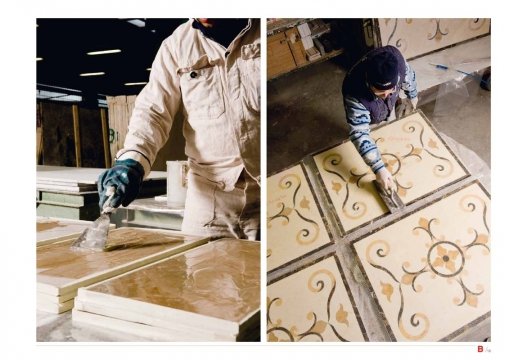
pixel 209 34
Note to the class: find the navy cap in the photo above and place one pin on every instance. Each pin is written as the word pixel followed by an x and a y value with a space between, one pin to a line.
pixel 382 71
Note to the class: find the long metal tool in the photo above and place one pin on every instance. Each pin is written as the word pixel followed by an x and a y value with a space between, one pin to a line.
pixel 390 198
pixel 95 236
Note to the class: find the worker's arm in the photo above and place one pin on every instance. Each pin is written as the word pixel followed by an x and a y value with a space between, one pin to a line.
pixel 358 118
pixel 154 110
pixel 149 129
pixel 409 86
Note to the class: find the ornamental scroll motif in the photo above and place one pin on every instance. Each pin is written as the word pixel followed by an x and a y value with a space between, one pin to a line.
pixel 312 305
pixel 435 261
pixel 294 222
pixel 411 150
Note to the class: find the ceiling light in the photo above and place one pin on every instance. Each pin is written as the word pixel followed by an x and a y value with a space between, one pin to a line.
pixel 135 83
pixel 92 74
pixel 103 52
pixel 149 69
pixel 137 22
pixel 39 59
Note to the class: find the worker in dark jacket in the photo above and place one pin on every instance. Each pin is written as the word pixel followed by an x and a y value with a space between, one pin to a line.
pixel 371 90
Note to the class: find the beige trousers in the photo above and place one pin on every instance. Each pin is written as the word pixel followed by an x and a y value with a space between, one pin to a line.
pixel 211 211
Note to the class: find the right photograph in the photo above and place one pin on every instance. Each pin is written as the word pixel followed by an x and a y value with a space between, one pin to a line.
pixel 378 188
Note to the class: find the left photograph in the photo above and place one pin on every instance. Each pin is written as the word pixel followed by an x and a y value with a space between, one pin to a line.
pixel 148 180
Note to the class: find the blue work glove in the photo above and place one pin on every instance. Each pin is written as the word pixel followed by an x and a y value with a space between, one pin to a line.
pixel 126 176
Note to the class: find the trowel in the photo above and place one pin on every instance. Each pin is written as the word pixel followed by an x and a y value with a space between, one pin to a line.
pixel 95 236
pixel 390 198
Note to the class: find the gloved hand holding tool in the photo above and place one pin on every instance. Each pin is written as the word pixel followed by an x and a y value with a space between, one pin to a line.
pixel 407 107
pixel 387 189
pixel 385 179
pixel 118 185
pixel 126 176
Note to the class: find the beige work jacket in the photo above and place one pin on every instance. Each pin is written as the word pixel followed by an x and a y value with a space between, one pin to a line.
pixel 219 90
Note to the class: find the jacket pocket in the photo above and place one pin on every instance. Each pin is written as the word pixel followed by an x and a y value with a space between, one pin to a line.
pixel 201 89
pixel 200 202
pixel 249 66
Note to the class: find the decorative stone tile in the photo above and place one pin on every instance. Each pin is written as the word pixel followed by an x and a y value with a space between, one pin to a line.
pixel 313 304
pixel 49 230
pixel 294 221
pixel 61 269
pixel 430 271
pixel 214 289
pixel 413 152
pixel 415 37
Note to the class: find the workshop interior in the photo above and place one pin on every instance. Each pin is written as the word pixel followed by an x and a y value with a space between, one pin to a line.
pixel 377 208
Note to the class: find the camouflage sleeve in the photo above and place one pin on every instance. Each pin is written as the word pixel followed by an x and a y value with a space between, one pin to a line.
pixel 409 85
pixel 358 119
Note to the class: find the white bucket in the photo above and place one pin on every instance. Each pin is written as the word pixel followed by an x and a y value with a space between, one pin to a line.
pixel 176 183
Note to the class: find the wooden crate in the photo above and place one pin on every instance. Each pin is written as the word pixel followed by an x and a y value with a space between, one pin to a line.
pixel 295 43
pixel 279 55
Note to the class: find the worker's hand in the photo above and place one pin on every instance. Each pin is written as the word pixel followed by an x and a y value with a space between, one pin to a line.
pixel 406 107
pixel 126 176
pixel 414 102
pixel 385 179
pixel 392 116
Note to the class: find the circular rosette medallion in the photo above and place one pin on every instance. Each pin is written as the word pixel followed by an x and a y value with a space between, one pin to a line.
pixel 446 259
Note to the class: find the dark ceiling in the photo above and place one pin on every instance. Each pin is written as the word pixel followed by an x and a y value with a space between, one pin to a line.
pixel 63 45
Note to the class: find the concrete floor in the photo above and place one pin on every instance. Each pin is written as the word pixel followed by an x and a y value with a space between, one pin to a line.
pixel 305 114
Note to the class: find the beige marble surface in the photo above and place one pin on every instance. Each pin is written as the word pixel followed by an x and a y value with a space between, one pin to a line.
pixel 294 222
pixel 430 271
pixel 415 155
pixel 415 37
pixel 312 304
pixel 54 228
pixel 220 279
pixel 50 229
pixel 60 266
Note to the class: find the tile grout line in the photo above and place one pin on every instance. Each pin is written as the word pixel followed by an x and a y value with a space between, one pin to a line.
pixel 357 283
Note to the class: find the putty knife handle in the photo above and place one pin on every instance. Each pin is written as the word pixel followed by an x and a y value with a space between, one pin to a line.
pixel 391 195
pixel 110 192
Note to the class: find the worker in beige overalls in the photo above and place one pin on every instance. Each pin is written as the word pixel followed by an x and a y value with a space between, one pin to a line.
pixel 212 68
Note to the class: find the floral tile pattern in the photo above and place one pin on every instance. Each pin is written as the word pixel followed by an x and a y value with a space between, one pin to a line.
pixel 415 37
pixel 412 151
pixel 294 221
pixel 313 304
pixel 430 271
